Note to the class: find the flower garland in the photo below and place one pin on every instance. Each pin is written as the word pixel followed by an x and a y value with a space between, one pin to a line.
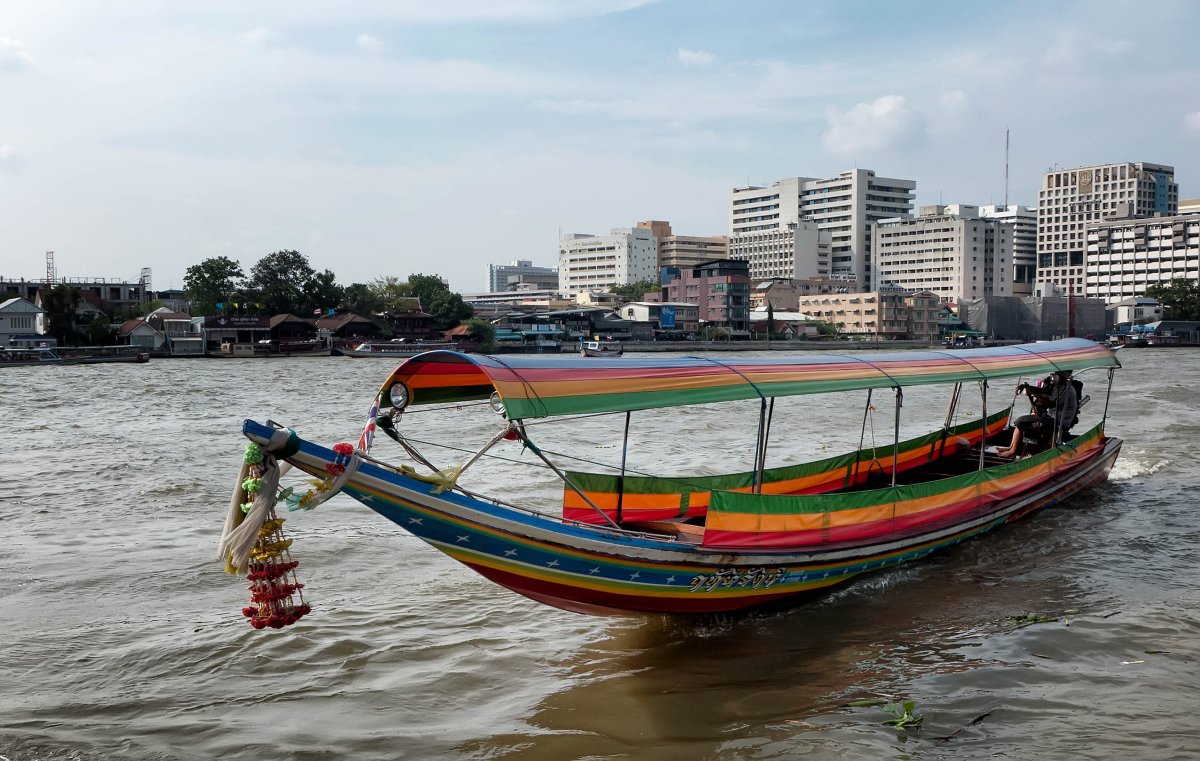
pixel 275 597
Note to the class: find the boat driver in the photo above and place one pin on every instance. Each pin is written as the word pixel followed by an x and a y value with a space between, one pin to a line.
pixel 1055 409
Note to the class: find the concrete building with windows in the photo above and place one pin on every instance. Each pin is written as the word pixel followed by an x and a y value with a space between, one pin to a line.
pixel 784 293
pixel 720 290
pixel 798 251
pixel 877 314
pixel 842 207
pixel 599 262
pixel 684 250
pixel 949 250
pixel 1126 256
pixel 1071 200
pixel 1023 221
pixel 521 274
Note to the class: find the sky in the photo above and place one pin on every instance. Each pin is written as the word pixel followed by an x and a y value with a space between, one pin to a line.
pixel 391 137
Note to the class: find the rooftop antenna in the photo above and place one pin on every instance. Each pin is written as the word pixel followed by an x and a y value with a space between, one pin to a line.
pixel 1006 131
pixel 50 271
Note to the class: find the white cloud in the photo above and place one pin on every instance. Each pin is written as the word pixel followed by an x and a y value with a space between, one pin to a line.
pixel 13 56
pixel 260 36
pixel 369 44
pixel 695 57
pixel 9 160
pixel 953 100
pixel 886 122
pixel 617 109
pixel 1192 120
pixel 1072 48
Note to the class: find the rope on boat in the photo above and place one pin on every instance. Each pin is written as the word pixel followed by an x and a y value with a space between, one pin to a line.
pixel 241 528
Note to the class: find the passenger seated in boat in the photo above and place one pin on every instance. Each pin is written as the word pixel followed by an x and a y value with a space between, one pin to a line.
pixel 1055 410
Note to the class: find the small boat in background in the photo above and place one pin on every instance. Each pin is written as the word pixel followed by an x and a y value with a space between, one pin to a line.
pixel 101 355
pixel 601 348
pixel 397 348
pixel 30 357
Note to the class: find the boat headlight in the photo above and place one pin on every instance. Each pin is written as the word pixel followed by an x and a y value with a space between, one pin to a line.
pixel 495 403
pixel 398 395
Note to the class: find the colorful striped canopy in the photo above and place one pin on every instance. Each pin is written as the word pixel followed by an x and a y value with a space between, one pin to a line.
pixel 534 386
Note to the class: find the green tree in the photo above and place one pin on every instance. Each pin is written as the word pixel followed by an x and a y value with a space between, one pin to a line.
pixel 99 332
pixel 1180 298
pixel 827 328
pixel 211 282
pixel 360 298
pixel 390 293
pixel 322 292
pixel 770 320
pixel 482 331
pixel 277 282
pixel 447 307
pixel 136 311
pixel 59 303
pixel 636 291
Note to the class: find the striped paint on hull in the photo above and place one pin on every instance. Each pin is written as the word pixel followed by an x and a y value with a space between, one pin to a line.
pixel 600 570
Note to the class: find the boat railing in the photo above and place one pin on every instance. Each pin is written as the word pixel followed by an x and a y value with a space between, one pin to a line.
pixel 589 527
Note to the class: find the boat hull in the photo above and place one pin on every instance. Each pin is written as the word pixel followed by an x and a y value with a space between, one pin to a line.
pixel 597 569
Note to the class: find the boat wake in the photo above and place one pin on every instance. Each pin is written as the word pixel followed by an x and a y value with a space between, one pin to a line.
pixel 1136 464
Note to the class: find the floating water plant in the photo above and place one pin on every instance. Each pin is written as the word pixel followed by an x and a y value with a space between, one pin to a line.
pixel 904 716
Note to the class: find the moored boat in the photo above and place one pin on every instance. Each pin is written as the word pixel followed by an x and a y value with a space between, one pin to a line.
pixel 628 541
pixel 103 355
pixel 395 349
pixel 601 348
pixel 30 357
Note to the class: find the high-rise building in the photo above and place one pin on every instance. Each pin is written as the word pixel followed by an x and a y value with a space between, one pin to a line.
pixel 684 250
pixel 1072 199
pixel 949 250
pixel 1023 221
pixel 521 274
pixel 1126 256
pixel 842 207
pixel 598 262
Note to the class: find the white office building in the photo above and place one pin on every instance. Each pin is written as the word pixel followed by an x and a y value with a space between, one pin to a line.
pixel 599 262
pixel 1073 199
pixel 842 207
pixel 1126 256
pixel 1023 221
pixel 798 251
pixel 949 250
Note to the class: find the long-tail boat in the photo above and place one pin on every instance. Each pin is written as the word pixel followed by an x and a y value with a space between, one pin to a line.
pixel 628 542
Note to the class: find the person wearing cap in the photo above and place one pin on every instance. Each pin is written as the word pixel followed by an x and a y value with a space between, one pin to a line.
pixel 1055 409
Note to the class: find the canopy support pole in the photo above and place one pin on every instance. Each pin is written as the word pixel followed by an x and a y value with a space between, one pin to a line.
pixel 534 448
pixel 761 465
pixel 896 440
pixel 758 445
pixel 491 443
pixel 983 387
pixel 951 408
pixel 853 478
pixel 621 478
pixel 1107 395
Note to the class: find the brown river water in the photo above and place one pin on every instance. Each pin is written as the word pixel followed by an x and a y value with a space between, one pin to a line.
pixel 123 637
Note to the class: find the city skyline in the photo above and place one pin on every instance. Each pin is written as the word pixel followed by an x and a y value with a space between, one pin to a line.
pixel 378 139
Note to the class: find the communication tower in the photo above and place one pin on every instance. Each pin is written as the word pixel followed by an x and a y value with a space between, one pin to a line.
pixel 50 271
